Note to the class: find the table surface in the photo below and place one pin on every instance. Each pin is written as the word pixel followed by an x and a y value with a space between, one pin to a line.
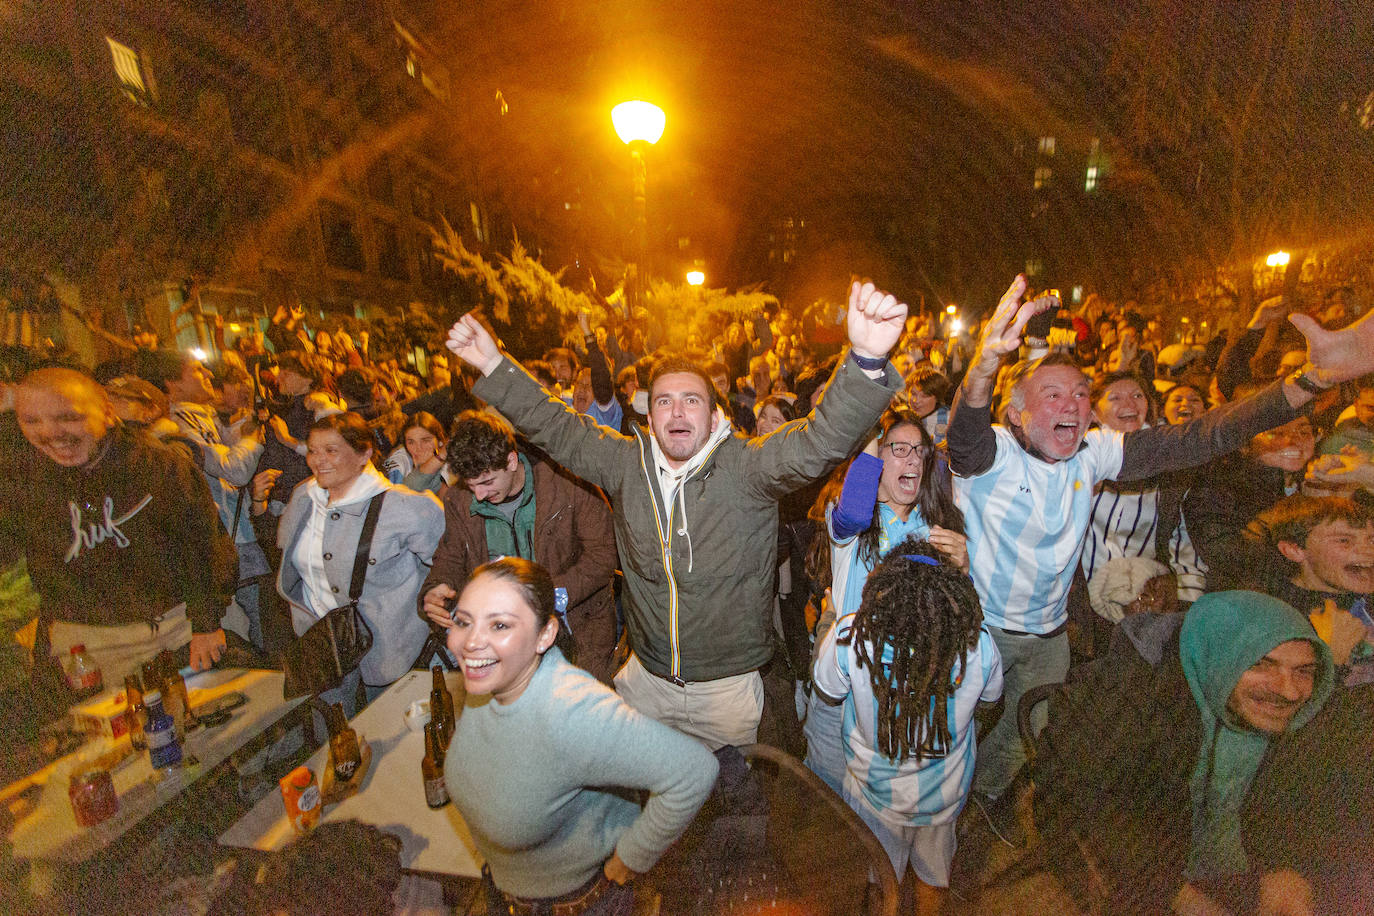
pixel 392 797
pixel 47 830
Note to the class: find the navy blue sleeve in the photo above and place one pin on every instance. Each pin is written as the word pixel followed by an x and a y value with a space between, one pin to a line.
pixel 854 512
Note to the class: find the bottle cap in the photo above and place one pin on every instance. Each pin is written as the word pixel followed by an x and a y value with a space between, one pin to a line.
pixel 79 647
pixel 300 777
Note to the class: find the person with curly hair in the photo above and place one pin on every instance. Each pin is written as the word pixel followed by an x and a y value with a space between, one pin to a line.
pixel 910 668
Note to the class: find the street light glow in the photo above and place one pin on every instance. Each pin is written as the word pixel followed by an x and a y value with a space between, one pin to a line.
pixel 198 353
pixel 956 326
pixel 949 309
pixel 695 278
pixel 638 120
pixel 1277 259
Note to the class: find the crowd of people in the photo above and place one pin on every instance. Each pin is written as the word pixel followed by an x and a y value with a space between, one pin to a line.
pixel 626 547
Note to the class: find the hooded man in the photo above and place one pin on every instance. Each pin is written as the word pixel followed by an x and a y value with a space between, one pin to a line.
pixel 696 511
pixel 1152 764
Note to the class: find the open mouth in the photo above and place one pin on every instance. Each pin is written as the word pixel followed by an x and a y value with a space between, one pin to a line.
pixel 478 668
pixel 1361 571
pixel 1184 413
pixel 1066 432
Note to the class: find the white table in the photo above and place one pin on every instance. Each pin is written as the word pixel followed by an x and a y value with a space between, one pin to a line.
pixel 392 798
pixel 47 831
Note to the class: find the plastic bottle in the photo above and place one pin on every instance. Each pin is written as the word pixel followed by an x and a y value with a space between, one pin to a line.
pixel 301 796
pixel 83 675
pixel 164 751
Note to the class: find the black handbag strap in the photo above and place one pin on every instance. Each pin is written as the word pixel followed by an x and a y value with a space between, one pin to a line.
pixel 374 510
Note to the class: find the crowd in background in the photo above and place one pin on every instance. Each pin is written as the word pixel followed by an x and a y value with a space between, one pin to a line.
pixel 285 440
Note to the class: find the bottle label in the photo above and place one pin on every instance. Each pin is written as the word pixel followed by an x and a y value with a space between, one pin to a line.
pixel 310 798
pixel 84 680
pixel 343 770
pixel 163 750
pixel 160 738
pixel 436 792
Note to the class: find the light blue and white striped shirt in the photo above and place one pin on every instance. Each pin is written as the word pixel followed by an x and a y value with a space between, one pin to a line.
pixel 1025 520
pixel 908 792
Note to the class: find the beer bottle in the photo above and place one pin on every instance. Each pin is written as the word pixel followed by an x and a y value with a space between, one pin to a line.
pixel 343 744
pixel 441 707
pixel 174 693
pixel 432 768
pixel 135 713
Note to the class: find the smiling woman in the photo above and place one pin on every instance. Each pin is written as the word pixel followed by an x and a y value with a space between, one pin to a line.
pixel 542 756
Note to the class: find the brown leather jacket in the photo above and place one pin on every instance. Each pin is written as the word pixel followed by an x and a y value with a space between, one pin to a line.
pixel 573 539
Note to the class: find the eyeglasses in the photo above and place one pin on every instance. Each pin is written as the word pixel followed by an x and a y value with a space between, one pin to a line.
pixel 904 449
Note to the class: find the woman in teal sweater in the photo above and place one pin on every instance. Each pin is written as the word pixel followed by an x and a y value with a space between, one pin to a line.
pixel 542 752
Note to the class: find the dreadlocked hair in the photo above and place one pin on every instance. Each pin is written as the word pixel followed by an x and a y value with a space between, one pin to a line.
pixel 918 619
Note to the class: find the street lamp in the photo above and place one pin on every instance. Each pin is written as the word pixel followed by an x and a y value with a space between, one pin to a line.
pixel 1277 259
pixel 639 124
pixel 695 278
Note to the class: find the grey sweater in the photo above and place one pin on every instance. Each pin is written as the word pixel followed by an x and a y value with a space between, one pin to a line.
pixel 535 781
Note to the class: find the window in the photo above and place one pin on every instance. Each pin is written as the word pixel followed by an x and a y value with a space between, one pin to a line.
pixel 129 68
pixel 1042 177
pixel 390 264
pixel 1077 295
pixel 1047 146
pixel 1090 182
pixel 1034 266
pixel 479 222
pixel 341 247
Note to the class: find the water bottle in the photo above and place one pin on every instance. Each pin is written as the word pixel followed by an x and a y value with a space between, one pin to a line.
pixel 164 751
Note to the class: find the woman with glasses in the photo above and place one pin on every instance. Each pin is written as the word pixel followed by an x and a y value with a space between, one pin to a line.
pixel 893 490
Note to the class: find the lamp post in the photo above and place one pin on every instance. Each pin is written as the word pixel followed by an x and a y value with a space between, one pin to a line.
pixel 639 124
pixel 695 278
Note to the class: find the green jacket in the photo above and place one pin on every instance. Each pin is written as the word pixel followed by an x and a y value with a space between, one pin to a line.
pixel 699 589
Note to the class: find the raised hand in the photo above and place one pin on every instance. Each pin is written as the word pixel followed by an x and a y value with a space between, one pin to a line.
pixel 1002 335
pixel 950 543
pixel 1267 312
pixel 473 344
pixel 875 320
pixel 1338 356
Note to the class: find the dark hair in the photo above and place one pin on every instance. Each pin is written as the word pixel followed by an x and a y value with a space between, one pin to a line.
pixel 1103 382
pixel 784 406
pixel 159 366
pixel 542 372
pixel 426 421
pixel 536 589
pixel 917 621
pixel 294 361
pixel 355 386
pixel 1293 518
pixel 931 381
pixel 672 364
pixel 479 442
pixel 566 355
pixel 351 427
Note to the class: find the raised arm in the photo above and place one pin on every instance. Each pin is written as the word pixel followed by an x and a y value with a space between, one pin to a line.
pixel 603 390
pixel 574 440
pixel 972 447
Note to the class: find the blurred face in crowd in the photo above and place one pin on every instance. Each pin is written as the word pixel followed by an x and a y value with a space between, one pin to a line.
pixel 422 446
pixel 922 404
pixel 1364 407
pixel 193 386
pixel 1184 403
pixel 237 395
pixel 562 370
pixel 582 391
pixel 499 485
pixel 497 638
pixel 769 419
pixel 1122 406
pixel 1288 447
pixel 333 461
pixel 1055 412
pixel 64 415
pixel 903 451
pixel 1338 557
pixel 1273 689
pixel 292 383
pixel 680 415
pixel 323 342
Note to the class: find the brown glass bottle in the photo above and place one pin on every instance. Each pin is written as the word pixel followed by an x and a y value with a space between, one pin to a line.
pixel 135 713
pixel 441 707
pixel 343 744
pixel 174 693
pixel 432 768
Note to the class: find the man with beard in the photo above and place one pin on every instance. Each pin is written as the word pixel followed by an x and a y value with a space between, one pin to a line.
pixel 124 545
pixel 1026 487
pixel 696 511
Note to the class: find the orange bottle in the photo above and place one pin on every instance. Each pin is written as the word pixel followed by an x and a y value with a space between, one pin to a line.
pixel 301 796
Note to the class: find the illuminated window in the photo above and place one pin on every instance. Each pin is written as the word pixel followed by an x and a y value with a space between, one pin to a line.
pixel 1042 177
pixel 1034 266
pixel 1090 182
pixel 1047 146
pixel 129 69
pixel 1077 294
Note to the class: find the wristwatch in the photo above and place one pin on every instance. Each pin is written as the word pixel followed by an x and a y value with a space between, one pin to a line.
pixel 1306 379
